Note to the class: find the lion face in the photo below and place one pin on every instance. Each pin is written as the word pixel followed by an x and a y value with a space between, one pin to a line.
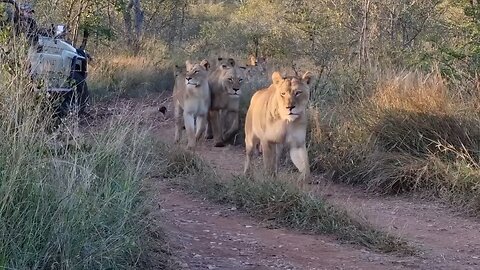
pixel 231 76
pixel 196 73
pixel 257 65
pixel 225 62
pixel 233 79
pixel 292 95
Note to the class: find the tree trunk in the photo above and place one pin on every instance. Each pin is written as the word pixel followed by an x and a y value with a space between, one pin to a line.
pixel 77 23
pixel 256 46
pixel 363 52
pixel 127 20
pixel 133 38
pixel 70 15
pixel 139 18
pixel 182 22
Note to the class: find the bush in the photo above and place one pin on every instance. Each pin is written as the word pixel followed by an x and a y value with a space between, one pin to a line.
pixel 70 203
pixel 410 134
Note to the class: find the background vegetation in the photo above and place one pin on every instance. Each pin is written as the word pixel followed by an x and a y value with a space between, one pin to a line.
pixel 396 106
pixel 391 74
pixel 69 199
pixel 397 101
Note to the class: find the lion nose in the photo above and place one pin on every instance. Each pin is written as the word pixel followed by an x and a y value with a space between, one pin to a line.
pixel 236 89
pixel 188 78
pixel 291 107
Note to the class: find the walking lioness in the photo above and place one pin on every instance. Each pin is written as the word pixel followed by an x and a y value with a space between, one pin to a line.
pixel 191 97
pixel 225 83
pixel 277 116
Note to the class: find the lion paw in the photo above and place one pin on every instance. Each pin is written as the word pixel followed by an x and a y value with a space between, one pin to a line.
pixel 219 144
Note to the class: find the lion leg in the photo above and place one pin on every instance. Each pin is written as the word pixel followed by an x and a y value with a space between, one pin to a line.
pixel 234 127
pixel 278 154
pixel 216 121
pixel 201 125
pixel 209 133
pixel 259 149
pixel 251 143
pixel 299 156
pixel 190 127
pixel 269 157
pixel 179 122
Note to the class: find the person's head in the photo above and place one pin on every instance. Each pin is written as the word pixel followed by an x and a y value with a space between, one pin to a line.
pixel 26 10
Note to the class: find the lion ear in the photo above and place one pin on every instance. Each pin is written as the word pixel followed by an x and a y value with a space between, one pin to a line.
pixel 307 77
pixel 205 64
pixel 276 77
pixel 231 62
pixel 253 60
pixel 188 64
pixel 177 70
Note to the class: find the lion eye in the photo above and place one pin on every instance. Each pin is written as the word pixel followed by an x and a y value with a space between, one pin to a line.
pixel 240 80
pixel 196 71
pixel 298 93
pixel 283 94
pixel 230 79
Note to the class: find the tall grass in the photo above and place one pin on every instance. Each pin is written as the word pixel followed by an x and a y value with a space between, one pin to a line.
pixel 412 132
pixel 278 201
pixel 122 74
pixel 70 203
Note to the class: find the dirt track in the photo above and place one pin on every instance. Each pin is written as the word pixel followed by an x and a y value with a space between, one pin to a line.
pixel 209 236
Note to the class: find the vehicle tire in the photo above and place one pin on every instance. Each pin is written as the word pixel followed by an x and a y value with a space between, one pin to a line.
pixel 76 100
pixel 81 94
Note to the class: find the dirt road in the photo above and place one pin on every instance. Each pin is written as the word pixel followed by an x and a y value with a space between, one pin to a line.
pixel 210 236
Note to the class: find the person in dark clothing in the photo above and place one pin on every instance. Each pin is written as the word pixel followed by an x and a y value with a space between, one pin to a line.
pixel 24 22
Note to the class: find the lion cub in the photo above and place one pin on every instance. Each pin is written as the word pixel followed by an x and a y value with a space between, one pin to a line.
pixel 191 97
pixel 277 116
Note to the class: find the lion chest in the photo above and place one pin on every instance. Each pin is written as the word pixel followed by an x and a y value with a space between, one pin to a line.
pixel 274 131
pixel 282 131
pixel 219 95
pixel 196 104
pixel 219 101
pixel 233 104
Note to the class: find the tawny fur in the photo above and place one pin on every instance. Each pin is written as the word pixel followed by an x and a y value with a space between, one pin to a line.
pixel 276 118
pixel 191 97
pixel 256 67
pixel 225 87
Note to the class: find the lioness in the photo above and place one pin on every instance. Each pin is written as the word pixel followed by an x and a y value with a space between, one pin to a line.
pixel 260 61
pixel 256 67
pixel 191 97
pixel 230 116
pixel 276 117
pixel 225 82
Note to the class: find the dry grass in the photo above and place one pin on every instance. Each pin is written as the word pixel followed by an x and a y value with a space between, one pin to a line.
pixel 124 75
pixel 414 92
pixel 412 133
pixel 278 201
pixel 71 201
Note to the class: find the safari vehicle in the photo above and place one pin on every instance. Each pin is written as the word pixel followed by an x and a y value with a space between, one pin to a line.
pixel 55 67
